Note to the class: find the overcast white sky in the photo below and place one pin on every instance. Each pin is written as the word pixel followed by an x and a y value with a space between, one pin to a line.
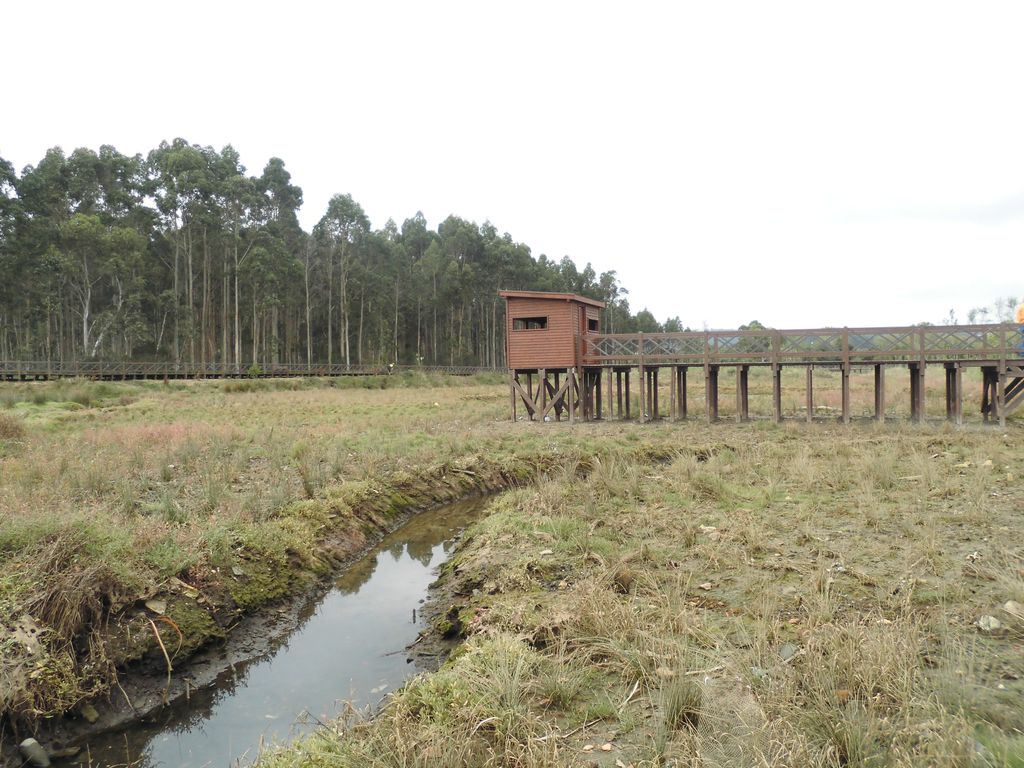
pixel 804 164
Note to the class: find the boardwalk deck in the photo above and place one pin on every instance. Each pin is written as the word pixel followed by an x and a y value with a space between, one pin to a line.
pixel 998 350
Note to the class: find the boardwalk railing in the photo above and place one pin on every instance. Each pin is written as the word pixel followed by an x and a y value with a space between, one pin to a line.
pixel 842 346
pixel 109 369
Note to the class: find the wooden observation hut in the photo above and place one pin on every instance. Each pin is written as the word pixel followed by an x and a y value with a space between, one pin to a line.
pixel 544 347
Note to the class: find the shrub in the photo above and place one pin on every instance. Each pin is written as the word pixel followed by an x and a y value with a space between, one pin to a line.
pixel 11 427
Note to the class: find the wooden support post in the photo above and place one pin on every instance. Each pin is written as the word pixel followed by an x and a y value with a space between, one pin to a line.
pixel 682 392
pixel 570 392
pixel 742 400
pixel 917 398
pixel 542 396
pixel 986 401
pixel 643 394
pixel 711 392
pixel 776 393
pixel 1001 396
pixel 529 390
pixel 810 393
pixel 512 393
pixel 560 401
pixel 618 390
pixel 958 404
pixel 879 392
pixel 629 405
pixel 845 375
pixel 655 409
pixel 950 394
pixel 611 390
pixel 597 386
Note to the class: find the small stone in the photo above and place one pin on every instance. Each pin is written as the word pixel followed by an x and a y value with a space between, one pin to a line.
pixel 34 753
pixel 588 747
pixel 708 529
pixel 787 651
pixel 89 713
pixel 987 463
pixel 1014 608
pixel 706 586
pixel 236 571
pixel 547 552
pixel 989 624
pixel 157 606
pixel 606 747
pixel 794 620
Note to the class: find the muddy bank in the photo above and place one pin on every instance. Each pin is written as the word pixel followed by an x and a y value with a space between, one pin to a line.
pixel 210 618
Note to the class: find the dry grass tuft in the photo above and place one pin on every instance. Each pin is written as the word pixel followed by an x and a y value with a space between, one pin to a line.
pixel 11 427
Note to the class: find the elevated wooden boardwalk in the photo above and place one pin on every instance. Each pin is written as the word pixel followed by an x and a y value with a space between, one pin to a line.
pixel 579 391
pixel 106 370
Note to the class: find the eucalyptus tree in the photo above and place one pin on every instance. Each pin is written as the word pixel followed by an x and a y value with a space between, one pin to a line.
pixel 343 228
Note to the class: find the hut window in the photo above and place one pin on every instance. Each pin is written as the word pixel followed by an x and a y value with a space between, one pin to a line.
pixel 591 325
pixel 529 323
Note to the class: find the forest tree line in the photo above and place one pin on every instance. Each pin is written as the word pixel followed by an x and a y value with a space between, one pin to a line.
pixel 182 256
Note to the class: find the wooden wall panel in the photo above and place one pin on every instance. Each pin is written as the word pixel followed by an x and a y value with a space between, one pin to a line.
pixel 552 347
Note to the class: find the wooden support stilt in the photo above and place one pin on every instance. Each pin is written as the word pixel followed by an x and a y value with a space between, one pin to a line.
pixel 776 393
pixel 618 391
pixel 542 376
pixel 529 388
pixel 879 392
pixel 611 390
pixel 917 398
pixel 950 391
pixel 958 405
pixel 810 393
pixel 571 391
pixel 655 409
pixel 711 392
pixel 512 393
pixel 560 401
pixel 628 397
pixel 742 401
pixel 845 376
pixel 598 379
pixel 1001 396
pixel 681 373
pixel 986 398
pixel 643 394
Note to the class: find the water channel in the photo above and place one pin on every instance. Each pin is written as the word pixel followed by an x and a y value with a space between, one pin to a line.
pixel 350 647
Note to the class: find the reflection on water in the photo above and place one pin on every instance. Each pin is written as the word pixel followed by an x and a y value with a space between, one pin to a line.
pixel 348 647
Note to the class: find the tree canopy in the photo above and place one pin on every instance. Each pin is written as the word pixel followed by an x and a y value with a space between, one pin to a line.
pixel 184 256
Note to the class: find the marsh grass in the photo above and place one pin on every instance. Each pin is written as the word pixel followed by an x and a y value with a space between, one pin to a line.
pixel 778 603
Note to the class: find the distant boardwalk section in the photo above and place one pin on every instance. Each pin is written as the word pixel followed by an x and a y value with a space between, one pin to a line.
pixel 112 370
